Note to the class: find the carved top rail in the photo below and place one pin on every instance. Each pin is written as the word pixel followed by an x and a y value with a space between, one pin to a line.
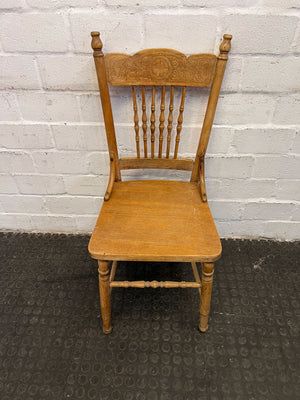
pixel 160 67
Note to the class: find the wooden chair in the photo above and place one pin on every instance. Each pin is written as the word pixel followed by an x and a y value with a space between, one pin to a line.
pixel 157 220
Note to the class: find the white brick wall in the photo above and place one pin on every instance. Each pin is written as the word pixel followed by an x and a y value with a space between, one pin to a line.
pixel 53 163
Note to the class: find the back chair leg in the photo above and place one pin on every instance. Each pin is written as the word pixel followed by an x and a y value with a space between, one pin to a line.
pixel 105 295
pixel 207 280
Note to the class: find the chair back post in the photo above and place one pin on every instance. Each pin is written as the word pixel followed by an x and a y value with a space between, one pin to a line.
pixel 105 101
pixel 198 169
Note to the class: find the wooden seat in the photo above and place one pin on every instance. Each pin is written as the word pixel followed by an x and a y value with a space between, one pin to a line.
pixel 157 220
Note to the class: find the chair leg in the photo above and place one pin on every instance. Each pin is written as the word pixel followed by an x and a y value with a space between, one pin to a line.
pixel 104 290
pixel 207 279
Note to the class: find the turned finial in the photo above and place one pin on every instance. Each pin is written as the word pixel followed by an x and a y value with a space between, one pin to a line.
pixel 225 46
pixel 96 43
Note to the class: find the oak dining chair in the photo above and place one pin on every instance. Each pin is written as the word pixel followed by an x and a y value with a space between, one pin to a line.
pixel 157 220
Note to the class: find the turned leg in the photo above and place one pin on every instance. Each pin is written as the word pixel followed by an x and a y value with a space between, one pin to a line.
pixel 206 287
pixel 104 290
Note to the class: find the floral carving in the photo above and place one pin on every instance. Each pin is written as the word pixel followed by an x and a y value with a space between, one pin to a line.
pixel 160 67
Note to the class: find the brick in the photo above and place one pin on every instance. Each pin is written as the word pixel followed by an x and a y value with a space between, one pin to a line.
pixel 240 188
pixel 220 140
pixel 68 72
pixel 233 74
pixel 287 110
pixel 98 163
pixel 56 4
pixel 40 184
pixel 264 26
pixel 7 184
pixel 296 46
pixel 126 140
pixel 296 213
pixel 18 72
pixel 239 109
pixel 267 210
pixel 263 141
pixel 85 223
pixel 198 31
pixel 72 205
pixel 285 230
pixel 91 110
pixel 15 222
pixel 16 161
pixel 219 3
pixel 53 223
pixel 296 144
pixel 287 189
pixel 144 3
pixel 237 229
pixel 286 167
pixel 26 136
pixel 23 204
pixel 194 107
pixel 229 167
pixel 9 110
pixel 48 107
pixel 226 210
pixel 279 3
pixel 12 4
pixel 79 137
pixel 119 32
pixel 275 74
pixel 219 143
pixel 37 33
pixel 62 162
pixel 93 185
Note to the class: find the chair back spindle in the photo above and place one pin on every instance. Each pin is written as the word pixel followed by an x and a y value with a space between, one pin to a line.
pixel 167 69
pixel 179 122
pixel 170 121
pixel 144 119
pixel 136 123
pixel 152 127
pixel 161 120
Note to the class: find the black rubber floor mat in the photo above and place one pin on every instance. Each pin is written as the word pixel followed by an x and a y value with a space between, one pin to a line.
pixel 52 347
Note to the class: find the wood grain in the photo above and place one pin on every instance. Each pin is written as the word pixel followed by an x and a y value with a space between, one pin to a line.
pixel 211 105
pixel 152 120
pixel 170 121
pixel 155 221
pixel 155 284
pixel 160 67
pixel 136 123
pixel 206 288
pixel 144 119
pixel 161 120
pixel 104 291
pixel 183 164
pixel 105 100
pixel 179 122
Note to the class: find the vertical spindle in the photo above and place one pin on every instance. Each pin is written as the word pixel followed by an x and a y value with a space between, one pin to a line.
pixel 144 119
pixel 170 121
pixel 152 127
pixel 179 122
pixel 161 120
pixel 136 123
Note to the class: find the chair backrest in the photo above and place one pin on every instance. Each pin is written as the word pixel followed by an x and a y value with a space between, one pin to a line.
pixel 162 70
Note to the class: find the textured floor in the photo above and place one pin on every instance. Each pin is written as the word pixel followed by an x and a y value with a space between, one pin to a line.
pixel 51 345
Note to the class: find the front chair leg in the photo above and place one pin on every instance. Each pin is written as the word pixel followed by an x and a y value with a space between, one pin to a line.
pixel 104 290
pixel 206 287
